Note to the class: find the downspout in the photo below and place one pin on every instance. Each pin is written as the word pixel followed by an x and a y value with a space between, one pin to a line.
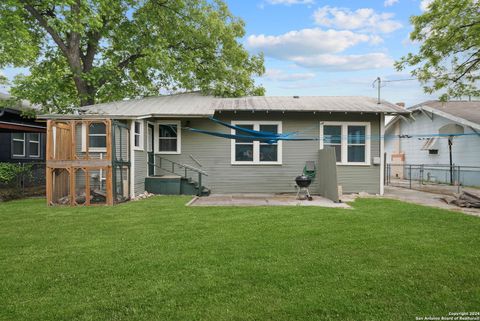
pixel 382 153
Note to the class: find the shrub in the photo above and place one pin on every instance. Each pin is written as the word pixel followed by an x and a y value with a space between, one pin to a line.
pixel 10 171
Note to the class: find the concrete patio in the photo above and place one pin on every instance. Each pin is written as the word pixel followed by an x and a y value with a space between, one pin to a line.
pixel 398 193
pixel 263 200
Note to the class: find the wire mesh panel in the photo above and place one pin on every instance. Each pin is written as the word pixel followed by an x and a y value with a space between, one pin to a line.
pixel 121 161
pixel 80 197
pixel 98 185
pixel 122 183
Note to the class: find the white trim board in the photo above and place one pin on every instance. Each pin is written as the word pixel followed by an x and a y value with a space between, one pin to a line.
pixel 382 152
pixel 132 161
pixel 141 134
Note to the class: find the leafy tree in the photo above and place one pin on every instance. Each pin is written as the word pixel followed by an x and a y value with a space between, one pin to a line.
pixel 449 54
pixel 81 52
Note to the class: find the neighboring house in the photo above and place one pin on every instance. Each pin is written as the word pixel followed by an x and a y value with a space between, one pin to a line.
pixel 416 140
pixel 158 135
pixel 22 138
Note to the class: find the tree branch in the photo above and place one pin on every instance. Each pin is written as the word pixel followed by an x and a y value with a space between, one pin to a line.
pixel 164 5
pixel 121 65
pixel 44 23
pixel 130 59
pixel 473 63
pixel 466 62
pixel 92 45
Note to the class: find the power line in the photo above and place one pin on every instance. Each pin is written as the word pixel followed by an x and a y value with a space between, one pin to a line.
pixel 378 83
pixel 395 80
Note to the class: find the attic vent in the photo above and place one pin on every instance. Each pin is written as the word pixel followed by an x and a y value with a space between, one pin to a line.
pixel 296 96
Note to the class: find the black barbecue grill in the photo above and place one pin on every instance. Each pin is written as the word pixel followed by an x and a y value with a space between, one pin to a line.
pixel 303 181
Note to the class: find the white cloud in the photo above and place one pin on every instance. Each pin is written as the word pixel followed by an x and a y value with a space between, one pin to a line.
pixel 389 3
pixel 305 42
pixel 280 75
pixel 424 4
pixel 330 62
pixel 318 49
pixel 375 40
pixel 364 19
pixel 290 2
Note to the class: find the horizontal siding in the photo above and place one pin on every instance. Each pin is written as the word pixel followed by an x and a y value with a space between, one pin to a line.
pixel 214 155
pixel 141 164
pixel 465 149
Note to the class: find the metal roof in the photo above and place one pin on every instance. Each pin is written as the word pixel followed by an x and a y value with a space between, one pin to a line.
pixel 467 110
pixel 466 113
pixel 198 105
pixel 309 103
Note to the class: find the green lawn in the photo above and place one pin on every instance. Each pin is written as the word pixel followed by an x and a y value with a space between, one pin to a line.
pixel 159 260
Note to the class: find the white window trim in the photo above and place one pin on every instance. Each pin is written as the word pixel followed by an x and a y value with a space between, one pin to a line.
pixel 256 144
pixel 84 142
pixel 344 150
pixel 157 136
pixel 35 142
pixel 19 140
pixel 141 140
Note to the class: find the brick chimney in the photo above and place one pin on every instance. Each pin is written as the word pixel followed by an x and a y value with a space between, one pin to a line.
pixel 400 104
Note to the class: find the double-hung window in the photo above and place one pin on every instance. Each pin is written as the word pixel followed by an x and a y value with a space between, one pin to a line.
pixel 138 135
pixel 97 138
pixel 169 137
pixel 248 151
pixel 34 145
pixel 351 141
pixel 18 144
pixel 332 136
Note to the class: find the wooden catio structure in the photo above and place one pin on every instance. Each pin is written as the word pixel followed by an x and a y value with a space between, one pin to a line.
pixel 88 162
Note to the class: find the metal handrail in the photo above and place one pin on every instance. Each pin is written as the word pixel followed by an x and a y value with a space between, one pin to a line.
pixel 185 167
pixel 194 169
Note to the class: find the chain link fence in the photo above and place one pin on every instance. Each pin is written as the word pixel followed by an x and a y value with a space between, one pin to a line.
pixel 19 180
pixel 433 178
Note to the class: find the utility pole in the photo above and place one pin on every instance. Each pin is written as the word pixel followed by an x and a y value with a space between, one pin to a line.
pixel 378 82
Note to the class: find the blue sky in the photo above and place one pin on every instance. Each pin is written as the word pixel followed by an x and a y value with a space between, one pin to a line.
pixel 319 47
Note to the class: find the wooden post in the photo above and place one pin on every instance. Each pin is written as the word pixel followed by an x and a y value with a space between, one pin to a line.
pixel 49 183
pixel 49 140
pixel 109 199
pixel 108 131
pixel 87 139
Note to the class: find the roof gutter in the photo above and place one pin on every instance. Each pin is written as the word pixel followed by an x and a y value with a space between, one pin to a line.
pixel 92 116
pixel 176 116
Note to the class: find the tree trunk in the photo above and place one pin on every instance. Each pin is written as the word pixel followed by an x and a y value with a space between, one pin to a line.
pixel 86 93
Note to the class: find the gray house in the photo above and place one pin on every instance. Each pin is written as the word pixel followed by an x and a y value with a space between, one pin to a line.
pixel 161 143
pixel 416 141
